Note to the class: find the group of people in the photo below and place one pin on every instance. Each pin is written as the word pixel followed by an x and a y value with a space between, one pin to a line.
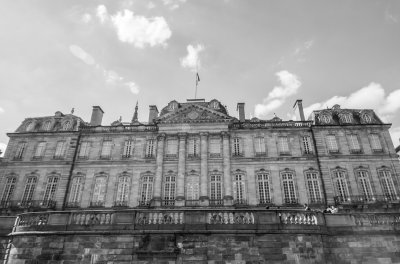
pixel 329 210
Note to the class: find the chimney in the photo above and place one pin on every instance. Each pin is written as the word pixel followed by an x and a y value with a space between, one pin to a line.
pixel 240 109
pixel 97 116
pixel 153 113
pixel 299 105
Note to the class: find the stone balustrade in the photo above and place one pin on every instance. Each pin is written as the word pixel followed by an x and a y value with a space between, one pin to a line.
pixel 92 218
pixel 299 218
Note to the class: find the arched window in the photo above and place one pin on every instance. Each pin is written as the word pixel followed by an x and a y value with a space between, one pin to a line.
pixel 289 188
pixel 8 190
pixel 50 191
pixel 215 189
pixel 122 190
pixel 385 177
pixel 146 190
pixel 76 191
pixel 239 188
pixel 169 189
pixel 314 191
pixel 99 192
pixel 28 191
pixel 66 125
pixel 340 182
pixel 263 187
pixel 46 125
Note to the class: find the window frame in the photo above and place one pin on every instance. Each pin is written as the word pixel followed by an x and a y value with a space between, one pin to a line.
pixel 264 187
pixel 293 197
pixel 312 184
pixel 330 148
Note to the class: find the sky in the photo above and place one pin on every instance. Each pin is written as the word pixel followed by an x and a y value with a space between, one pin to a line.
pixel 59 55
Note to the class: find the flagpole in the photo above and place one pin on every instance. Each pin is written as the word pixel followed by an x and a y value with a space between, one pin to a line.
pixel 197 82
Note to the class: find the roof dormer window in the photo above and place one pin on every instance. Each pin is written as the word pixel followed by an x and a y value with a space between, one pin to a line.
pixel 173 105
pixel 346 118
pixel 30 126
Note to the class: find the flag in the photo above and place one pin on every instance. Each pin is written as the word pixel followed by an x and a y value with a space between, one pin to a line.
pixel 197 79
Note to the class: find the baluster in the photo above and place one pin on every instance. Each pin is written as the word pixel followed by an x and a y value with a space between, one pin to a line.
pixel 231 218
pixel 160 218
pixel 226 218
pixel 108 219
pixel 252 218
pixel 181 218
pixel 176 218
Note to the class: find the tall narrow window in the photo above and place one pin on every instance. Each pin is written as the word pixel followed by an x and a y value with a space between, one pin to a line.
pixel 237 147
pixel 106 149
pixel 28 191
pixel 40 148
pixel 263 188
pixel 215 147
pixel 84 150
pixel 289 189
pixel 192 188
pixel 150 148
pixel 169 190
pixel 99 193
pixel 283 145
pixel 8 190
pixel 128 149
pixel 354 144
pixel 239 189
pixel 388 188
pixel 365 185
pixel 50 191
pixel 342 189
pixel 146 190
pixel 193 147
pixel 259 144
pixel 215 189
pixel 122 191
pixel 172 147
pixel 314 191
pixel 375 142
pixel 76 191
pixel 60 150
pixel 332 144
pixel 307 145
pixel 19 153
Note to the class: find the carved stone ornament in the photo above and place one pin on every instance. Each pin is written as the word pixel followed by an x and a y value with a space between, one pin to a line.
pixel 193 115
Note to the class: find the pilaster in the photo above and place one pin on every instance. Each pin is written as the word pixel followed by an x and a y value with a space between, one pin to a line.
pixel 180 198
pixel 159 170
pixel 228 199
pixel 204 199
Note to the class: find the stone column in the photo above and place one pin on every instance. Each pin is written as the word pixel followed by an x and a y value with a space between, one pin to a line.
pixel 180 198
pixel 228 198
pixel 204 199
pixel 159 170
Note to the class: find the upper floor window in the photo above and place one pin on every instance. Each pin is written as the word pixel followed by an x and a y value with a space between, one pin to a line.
pixel 40 148
pixel 76 190
pixel 122 190
pixel 263 188
pixel 30 126
pixel 150 148
pixel 332 144
pixel 215 147
pixel 239 189
pixel 46 125
pixel 346 118
pixel 289 188
pixel 283 145
pixel 385 177
pixel 354 144
pixel 84 150
pixel 365 184
pixel 215 187
pixel 375 142
pixel 192 188
pixel 259 144
pixel 193 147
pixel 60 150
pixel 99 192
pixel 128 149
pixel 19 153
pixel 169 189
pixel 340 183
pixel 146 190
pixel 237 148
pixel 51 187
pixel 66 125
pixel 29 190
pixel 313 186
pixel 325 119
pixel 8 190
pixel 366 118
pixel 106 149
pixel 307 145
pixel 172 147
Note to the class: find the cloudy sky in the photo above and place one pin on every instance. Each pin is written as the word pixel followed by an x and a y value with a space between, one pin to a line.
pixel 56 55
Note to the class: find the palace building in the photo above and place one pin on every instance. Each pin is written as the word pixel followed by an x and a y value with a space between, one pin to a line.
pixel 193 173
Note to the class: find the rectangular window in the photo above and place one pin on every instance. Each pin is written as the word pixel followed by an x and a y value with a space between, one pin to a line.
pixel 283 145
pixel 341 185
pixel 99 193
pixel 193 148
pixel 332 144
pixel 60 150
pixel 307 145
pixel 239 189
pixel 192 188
pixel 122 190
pixel 146 190
pixel 314 192
pixel 76 191
pixel 354 144
pixel 169 190
pixel 84 150
pixel 289 190
pixel 28 191
pixel 365 185
pixel 375 142
pixel 387 185
pixel 150 148
pixel 215 189
pixel 259 146
pixel 40 148
pixel 128 149
pixel 215 147
pixel 8 190
pixel 263 188
pixel 20 150
pixel 172 147
pixel 50 189
pixel 237 147
pixel 106 149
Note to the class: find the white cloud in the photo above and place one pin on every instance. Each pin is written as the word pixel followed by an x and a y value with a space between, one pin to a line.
pixel 133 87
pixel 395 133
pixel 1 110
pixel 112 77
pixel 369 97
pixel 305 46
pixel 3 147
pixel 289 85
pixel 151 5
pixel 192 60
pixel 86 18
pixel 81 54
pixel 173 4
pixel 102 13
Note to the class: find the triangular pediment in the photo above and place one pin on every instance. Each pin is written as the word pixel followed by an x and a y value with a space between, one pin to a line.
pixel 194 114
